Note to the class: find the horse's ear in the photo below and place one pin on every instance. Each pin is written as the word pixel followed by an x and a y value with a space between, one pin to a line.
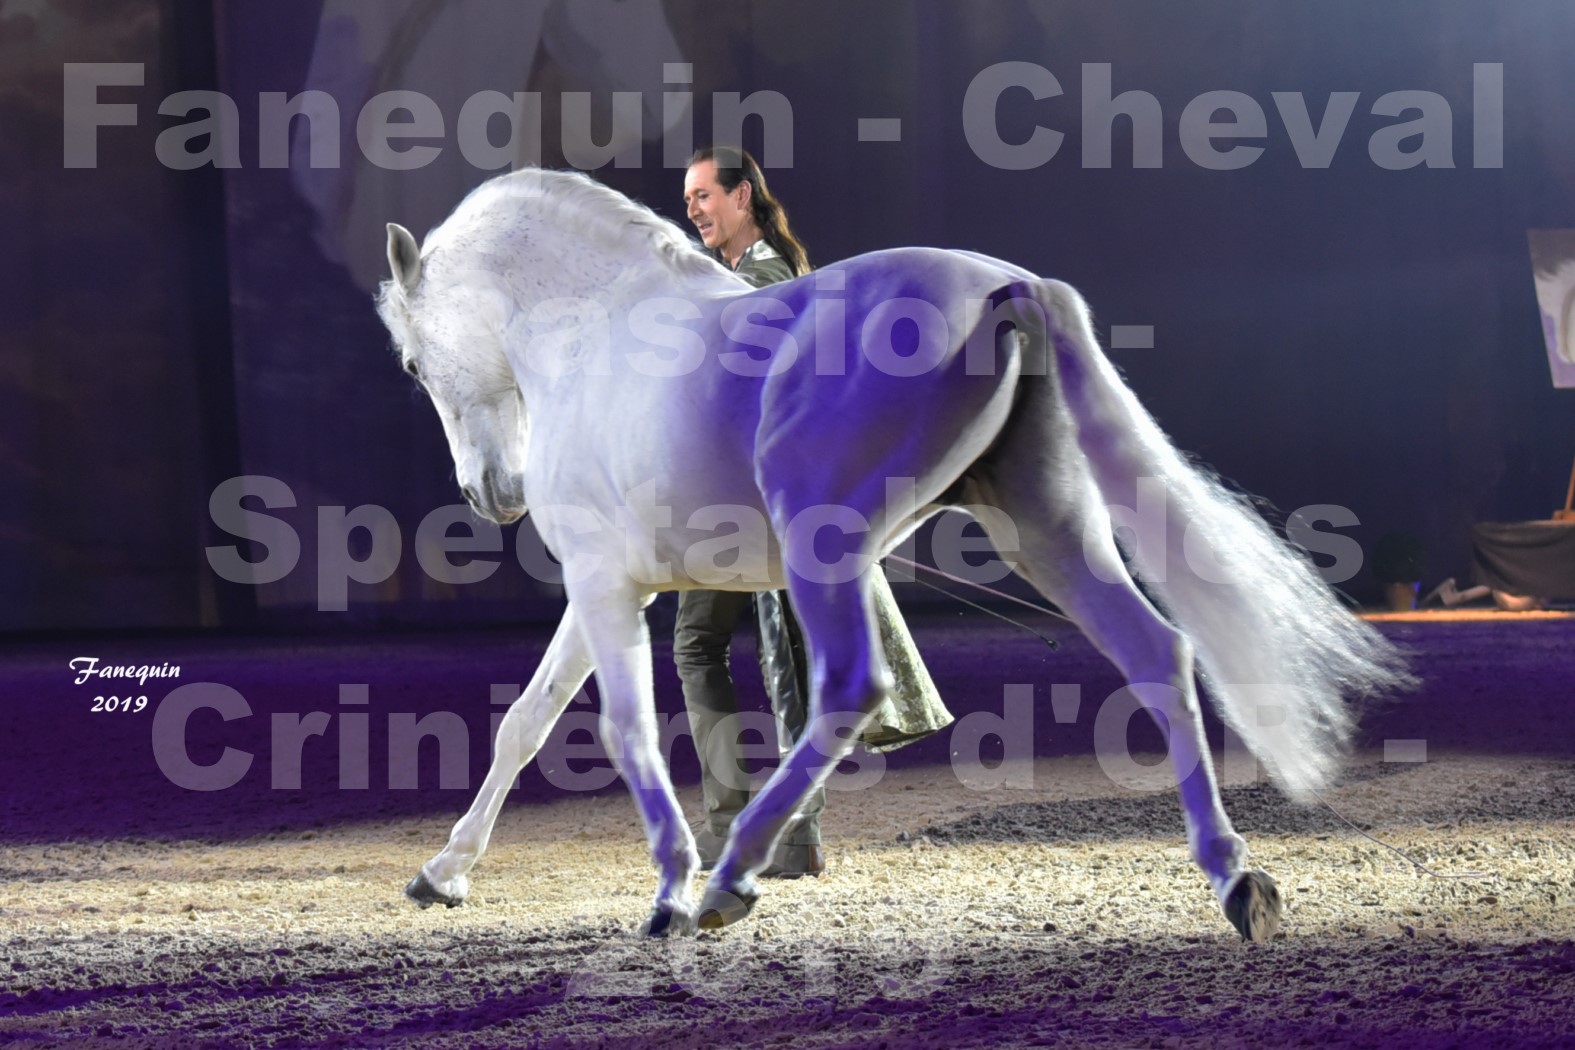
pixel 404 257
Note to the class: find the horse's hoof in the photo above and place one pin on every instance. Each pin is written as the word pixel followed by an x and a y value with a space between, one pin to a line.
pixel 721 908
pixel 1252 905
pixel 668 922
pixel 420 890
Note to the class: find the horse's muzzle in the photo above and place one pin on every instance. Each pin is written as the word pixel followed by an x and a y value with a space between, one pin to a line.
pixel 502 503
pixel 500 515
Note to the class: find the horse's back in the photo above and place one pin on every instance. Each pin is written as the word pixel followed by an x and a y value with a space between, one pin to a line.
pixel 934 274
pixel 886 384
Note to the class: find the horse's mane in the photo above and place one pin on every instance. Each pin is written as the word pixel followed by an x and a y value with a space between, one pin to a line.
pixel 598 213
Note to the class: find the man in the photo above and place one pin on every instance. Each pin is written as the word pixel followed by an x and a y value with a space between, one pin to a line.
pixel 737 218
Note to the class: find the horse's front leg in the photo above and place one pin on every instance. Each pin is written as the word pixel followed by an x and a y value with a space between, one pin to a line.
pixel 848 680
pixel 616 633
pixel 563 670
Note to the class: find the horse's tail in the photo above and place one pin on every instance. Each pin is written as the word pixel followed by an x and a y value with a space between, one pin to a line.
pixel 1276 650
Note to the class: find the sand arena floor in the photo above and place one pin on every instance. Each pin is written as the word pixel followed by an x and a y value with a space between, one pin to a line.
pixel 1065 913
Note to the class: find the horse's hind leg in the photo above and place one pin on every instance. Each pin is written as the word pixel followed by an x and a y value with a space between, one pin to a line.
pixel 563 670
pixel 1068 553
pixel 848 679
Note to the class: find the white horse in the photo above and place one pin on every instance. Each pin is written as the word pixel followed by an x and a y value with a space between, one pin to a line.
pixel 665 408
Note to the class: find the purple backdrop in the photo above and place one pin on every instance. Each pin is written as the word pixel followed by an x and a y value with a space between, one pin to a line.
pixel 1348 335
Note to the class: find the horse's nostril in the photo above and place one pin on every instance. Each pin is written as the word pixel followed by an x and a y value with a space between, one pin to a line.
pixel 469 494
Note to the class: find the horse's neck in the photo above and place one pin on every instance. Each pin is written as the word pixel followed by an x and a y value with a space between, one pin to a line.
pixel 586 260
pixel 614 278
pixel 568 315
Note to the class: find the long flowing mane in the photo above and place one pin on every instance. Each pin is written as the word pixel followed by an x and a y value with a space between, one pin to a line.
pixel 600 217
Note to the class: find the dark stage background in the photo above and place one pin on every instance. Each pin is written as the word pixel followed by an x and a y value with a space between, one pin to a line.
pixel 1346 335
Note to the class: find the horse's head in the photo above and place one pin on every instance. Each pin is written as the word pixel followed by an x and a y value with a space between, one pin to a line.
pixel 448 331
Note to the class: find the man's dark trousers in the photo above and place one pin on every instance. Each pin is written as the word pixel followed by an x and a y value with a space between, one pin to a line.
pixel 701 636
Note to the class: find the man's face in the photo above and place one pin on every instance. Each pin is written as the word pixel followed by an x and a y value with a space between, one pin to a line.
pixel 717 214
